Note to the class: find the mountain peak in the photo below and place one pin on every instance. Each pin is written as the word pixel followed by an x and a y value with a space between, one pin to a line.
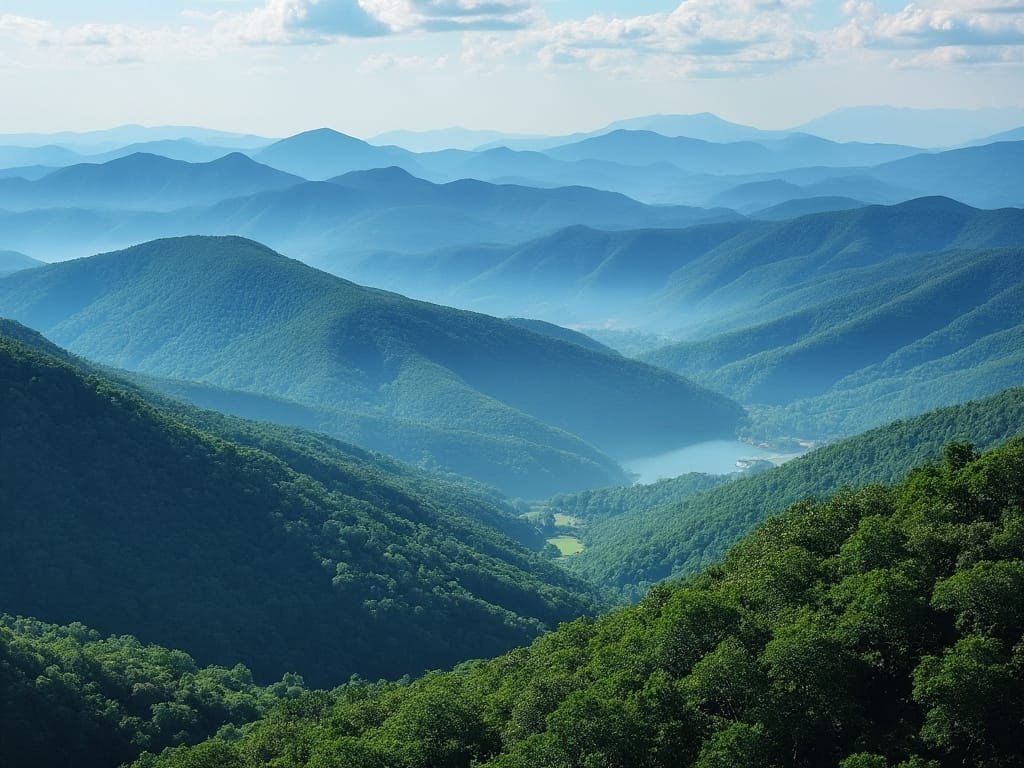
pixel 323 134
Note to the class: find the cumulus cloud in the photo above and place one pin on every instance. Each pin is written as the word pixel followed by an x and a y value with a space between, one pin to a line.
pixel 698 38
pixel 289 22
pixel 968 23
pixel 304 22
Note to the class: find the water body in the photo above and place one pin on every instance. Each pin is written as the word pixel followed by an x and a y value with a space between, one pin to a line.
pixel 715 457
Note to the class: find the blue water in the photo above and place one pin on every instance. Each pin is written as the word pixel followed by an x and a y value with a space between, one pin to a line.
pixel 716 457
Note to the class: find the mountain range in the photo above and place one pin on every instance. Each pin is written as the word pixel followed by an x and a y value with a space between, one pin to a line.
pixel 231 313
pixel 143 181
pixel 332 224
pixel 237 487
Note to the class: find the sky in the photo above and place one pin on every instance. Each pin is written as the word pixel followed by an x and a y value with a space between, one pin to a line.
pixel 276 67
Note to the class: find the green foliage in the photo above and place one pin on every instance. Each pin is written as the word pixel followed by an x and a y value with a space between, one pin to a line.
pixel 816 642
pixel 72 697
pixel 620 499
pixel 245 542
pixel 644 544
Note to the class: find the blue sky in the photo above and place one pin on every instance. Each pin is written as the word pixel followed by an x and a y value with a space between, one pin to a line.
pixel 366 66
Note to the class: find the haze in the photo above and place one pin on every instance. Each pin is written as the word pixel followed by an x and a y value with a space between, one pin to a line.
pixel 281 66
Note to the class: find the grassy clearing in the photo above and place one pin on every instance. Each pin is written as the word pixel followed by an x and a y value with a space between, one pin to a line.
pixel 567 545
pixel 567 521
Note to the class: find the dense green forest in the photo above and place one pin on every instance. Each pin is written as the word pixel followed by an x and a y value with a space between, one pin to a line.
pixel 865 346
pixel 231 313
pixel 622 499
pixel 881 628
pixel 69 696
pixel 644 544
pixel 247 543
pixel 518 466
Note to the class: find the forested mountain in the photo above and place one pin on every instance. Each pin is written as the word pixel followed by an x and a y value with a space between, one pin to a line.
pixel 73 697
pixel 643 544
pixel 600 503
pixel 234 314
pixel 840 321
pixel 909 334
pixel 702 279
pixel 880 628
pixel 561 333
pixel 240 542
pixel 143 181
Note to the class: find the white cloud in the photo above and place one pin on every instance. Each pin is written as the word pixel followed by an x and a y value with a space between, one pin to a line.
pixel 698 38
pixel 291 22
pixel 968 23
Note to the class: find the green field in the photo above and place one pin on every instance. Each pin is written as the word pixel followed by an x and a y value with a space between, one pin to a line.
pixel 567 545
pixel 567 521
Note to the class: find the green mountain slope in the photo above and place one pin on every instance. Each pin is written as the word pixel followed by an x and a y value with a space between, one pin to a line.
pixel 879 629
pixel 73 697
pixel 561 333
pixel 239 542
pixel 518 465
pixel 899 337
pixel 232 313
pixel 649 543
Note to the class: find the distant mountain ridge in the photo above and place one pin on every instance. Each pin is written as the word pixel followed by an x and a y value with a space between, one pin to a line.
pixel 14 261
pixel 333 224
pixel 699 156
pixel 924 127
pixel 322 153
pixel 692 279
pixel 144 181
pixel 90 142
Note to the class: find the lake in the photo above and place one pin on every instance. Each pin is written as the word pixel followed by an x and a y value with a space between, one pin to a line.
pixel 715 457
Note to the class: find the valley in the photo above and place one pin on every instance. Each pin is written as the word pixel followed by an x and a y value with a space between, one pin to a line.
pixel 596 431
